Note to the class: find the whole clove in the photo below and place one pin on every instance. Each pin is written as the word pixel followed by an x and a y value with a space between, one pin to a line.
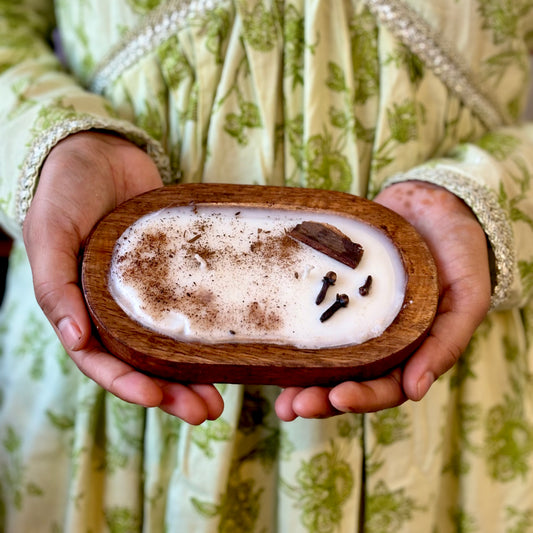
pixel 341 301
pixel 365 288
pixel 327 281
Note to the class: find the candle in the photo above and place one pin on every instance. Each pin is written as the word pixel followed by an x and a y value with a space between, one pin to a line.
pixel 220 274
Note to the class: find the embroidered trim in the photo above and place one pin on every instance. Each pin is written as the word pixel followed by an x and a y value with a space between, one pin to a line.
pixel 491 216
pixel 159 26
pixel 42 145
pixel 414 32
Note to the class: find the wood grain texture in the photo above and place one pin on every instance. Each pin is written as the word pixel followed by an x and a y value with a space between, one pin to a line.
pixel 260 363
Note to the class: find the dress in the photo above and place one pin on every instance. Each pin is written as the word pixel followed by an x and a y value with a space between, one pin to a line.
pixel 346 95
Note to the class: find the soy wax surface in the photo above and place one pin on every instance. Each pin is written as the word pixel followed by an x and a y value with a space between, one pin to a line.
pixel 217 275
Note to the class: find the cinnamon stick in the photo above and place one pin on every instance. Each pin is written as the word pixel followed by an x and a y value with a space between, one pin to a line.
pixel 329 241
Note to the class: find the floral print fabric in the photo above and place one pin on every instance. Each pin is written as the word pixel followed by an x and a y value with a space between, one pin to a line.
pixel 311 93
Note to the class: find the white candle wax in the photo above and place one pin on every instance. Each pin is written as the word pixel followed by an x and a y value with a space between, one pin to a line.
pixel 209 274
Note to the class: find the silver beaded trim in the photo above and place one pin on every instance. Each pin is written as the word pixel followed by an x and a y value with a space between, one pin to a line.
pixel 42 145
pixel 414 32
pixel 156 28
pixel 493 219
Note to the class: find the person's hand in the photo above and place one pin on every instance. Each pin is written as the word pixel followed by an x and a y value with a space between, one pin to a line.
pixel 84 177
pixel 459 247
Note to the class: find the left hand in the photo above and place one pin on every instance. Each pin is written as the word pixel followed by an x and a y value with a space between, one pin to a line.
pixel 459 247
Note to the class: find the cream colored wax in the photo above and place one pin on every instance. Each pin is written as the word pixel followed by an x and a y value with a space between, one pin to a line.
pixel 234 275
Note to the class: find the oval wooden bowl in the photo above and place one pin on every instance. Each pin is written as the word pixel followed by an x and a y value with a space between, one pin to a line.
pixel 260 363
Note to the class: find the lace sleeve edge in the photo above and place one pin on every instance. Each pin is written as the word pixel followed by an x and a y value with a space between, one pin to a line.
pixel 47 139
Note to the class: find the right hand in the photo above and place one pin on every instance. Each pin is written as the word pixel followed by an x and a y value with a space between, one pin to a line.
pixel 83 178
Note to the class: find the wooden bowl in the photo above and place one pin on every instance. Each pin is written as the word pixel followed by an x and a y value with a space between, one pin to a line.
pixel 260 363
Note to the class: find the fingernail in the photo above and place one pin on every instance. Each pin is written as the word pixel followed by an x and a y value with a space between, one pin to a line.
pixel 424 383
pixel 70 333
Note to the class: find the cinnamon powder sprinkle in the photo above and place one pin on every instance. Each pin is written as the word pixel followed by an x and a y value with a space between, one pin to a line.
pixel 151 269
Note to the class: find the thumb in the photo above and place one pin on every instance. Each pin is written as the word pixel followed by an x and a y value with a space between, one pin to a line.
pixel 55 279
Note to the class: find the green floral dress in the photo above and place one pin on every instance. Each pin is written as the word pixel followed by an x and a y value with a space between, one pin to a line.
pixel 331 94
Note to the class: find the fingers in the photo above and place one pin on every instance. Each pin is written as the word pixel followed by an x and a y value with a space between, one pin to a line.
pixel 62 301
pixel 116 376
pixel 369 396
pixel 284 404
pixel 212 398
pixel 464 302
pixel 309 402
pixel 193 404
pixel 348 397
pixel 441 350
pixel 58 294
pixel 53 249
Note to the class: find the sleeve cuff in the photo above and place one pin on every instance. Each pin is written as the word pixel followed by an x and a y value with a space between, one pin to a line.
pixel 43 144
